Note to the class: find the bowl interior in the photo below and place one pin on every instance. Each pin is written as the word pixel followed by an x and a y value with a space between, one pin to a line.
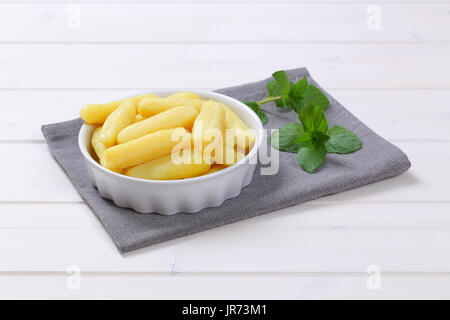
pixel 244 112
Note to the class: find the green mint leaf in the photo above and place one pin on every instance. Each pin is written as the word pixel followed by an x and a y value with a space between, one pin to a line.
pixel 257 109
pixel 297 93
pixel 280 87
pixel 305 140
pixel 313 119
pixel 311 139
pixel 274 90
pixel 303 94
pixel 284 138
pixel 283 80
pixel 316 97
pixel 311 158
pixel 342 141
pixel 320 138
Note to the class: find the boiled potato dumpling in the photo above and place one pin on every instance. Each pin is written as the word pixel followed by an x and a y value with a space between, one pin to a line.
pixel 120 118
pixel 166 168
pixel 245 137
pixel 97 113
pixel 172 118
pixel 146 148
pixel 141 136
pixel 210 121
pixel 184 94
pixel 98 146
pixel 150 106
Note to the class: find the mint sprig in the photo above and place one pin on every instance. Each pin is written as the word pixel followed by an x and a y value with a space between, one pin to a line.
pixel 311 139
pixel 288 95
pixel 314 140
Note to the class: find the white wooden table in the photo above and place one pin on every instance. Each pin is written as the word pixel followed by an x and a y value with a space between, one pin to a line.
pixel 389 64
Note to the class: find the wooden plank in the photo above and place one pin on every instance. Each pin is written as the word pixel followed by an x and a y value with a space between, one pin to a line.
pixel 79 66
pixel 33 175
pixel 235 249
pixel 297 286
pixel 400 114
pixel 409 187
pixel 275 2
pixel 222 22
pixel 30 169
pixel 313 214
pixel 306 238
pixel 393 114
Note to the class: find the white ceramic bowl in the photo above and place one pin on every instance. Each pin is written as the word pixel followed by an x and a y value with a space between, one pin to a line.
pixel 174 196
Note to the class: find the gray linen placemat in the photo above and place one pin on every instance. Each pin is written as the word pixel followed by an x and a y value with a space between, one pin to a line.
pixel 377 160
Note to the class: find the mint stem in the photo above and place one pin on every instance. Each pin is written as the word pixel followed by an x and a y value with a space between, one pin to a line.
pixel 269 99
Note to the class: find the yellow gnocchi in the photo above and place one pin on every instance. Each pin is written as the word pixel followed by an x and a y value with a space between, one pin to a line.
pixel 150 106
pixel 180 136
pixel 165 168
pixel 144 149
pixel 172 118
pixel 119 119
pixel 97 113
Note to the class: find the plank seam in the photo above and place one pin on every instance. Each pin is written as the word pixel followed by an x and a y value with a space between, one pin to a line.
pixel 224 274
pixel 355 42
pixel 317 202
pixel 215 2
pixel 199 88
pixel 42 141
